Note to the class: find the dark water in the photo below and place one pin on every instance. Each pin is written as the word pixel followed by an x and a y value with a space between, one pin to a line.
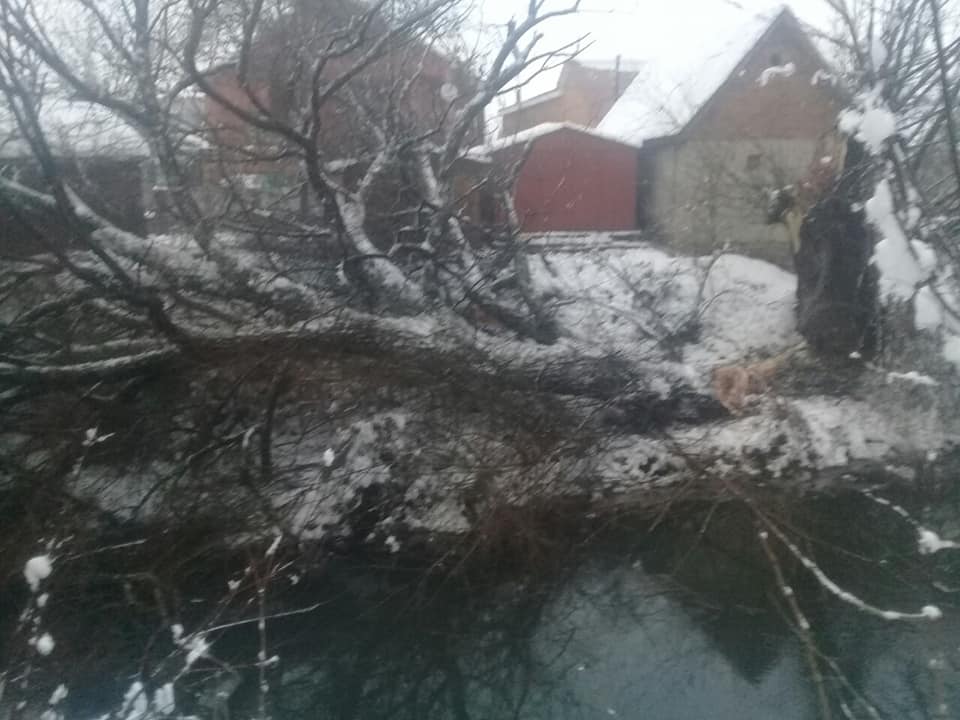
pixel 680 622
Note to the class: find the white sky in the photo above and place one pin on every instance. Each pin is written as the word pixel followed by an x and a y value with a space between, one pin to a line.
pixel 672 35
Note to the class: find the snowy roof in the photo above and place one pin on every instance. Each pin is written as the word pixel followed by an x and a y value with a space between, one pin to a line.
pixel 668 91
pixel 75 128
pixel 538 131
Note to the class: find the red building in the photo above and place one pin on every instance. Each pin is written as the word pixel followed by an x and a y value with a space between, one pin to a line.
pixel 573 179
pixel 407 82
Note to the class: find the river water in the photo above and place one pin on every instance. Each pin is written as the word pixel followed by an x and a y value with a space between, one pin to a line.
pixel 643 618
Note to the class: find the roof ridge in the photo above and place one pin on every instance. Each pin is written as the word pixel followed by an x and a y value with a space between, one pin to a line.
pixel 784 15
pixel 640 112
pixel 537 131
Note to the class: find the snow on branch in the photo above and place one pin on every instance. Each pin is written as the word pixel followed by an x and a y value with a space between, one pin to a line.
pixel 928 612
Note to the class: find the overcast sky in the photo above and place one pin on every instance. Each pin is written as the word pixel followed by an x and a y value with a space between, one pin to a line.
pixel 675 35
pixel 646 28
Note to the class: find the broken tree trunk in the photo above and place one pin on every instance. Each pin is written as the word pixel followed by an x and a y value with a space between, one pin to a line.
pixel 837 300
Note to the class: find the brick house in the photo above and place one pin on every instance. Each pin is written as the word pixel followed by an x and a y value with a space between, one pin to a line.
pixel 767 123
pixel 764 111
pixel 247 158
pixel 585 92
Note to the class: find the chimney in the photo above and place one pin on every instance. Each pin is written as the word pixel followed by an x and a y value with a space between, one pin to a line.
pixel 616 78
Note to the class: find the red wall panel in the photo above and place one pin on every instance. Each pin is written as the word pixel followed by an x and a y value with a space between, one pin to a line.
pixel 577 181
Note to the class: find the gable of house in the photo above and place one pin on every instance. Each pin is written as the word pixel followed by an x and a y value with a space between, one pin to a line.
pixel 765 123
pixel 780 89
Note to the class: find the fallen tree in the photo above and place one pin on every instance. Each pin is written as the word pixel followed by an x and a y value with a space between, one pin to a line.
pixel 377 366
pixel 249 305
pixel 122 328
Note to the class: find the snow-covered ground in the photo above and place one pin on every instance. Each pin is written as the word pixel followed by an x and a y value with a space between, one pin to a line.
pixel 702 311
pixel 630 299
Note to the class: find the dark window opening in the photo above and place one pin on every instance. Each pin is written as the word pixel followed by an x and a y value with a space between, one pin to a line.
pixel 644 198
pixel 487 209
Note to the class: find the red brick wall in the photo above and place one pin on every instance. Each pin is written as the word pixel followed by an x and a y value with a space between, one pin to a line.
pixel 230 129
pixel 343 132
pixel 594 91
pixel 528 116
pixel 575 181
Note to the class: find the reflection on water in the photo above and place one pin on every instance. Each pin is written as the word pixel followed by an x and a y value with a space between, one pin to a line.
pixel 614 644
pixel 645 655
pixel 681 623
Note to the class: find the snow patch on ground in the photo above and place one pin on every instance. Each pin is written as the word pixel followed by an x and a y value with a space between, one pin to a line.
pixel 817 432
pixel 747 308
pixel 444 514
pixel 698 311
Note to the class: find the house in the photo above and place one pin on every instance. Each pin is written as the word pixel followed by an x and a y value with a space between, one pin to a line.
pixel 585 92
pixel 569 178
pixel 754 116
pixel 411 81
pixel 767 122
